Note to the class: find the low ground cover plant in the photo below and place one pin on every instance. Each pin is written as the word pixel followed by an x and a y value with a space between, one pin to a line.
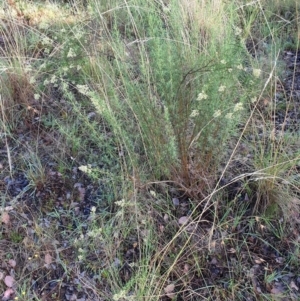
pixel 149 150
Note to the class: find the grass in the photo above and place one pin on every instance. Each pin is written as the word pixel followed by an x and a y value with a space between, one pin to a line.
pixel 149 150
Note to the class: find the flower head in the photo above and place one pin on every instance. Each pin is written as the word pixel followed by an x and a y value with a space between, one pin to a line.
pixel 237 31
pixel 121 203
pixel 194 113
pixel 222 88
pixel 253 99
pixel 229 116
pixel 85 168
pixel 119 296
pixel 202 95
pixel 53 79
pixel 256 72
pixel 37 96
pixel 217 113
pixel 71 53
pixel 83 89
pixel 46 41
pixel 32 80
pixel 238 107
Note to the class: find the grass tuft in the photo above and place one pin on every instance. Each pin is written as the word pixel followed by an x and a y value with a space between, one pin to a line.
pixel 150 150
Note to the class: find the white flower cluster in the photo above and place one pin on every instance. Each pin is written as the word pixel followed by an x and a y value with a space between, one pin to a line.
pixel 81 255
pixel 71 53
pixel 238 107
pixel 83 89
pixel 37 96
pixel 222 88
pixel 124 203
pixel 32 80
pixel 253 99
pixel 85 168
pixel 95 233
pixel 256 73
pixel 122 295
pixel 217 113
pixel 53 79
pixel 229 116
pixel 202 95
pixel 194 113
pixel 46 41
pixel 237 31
